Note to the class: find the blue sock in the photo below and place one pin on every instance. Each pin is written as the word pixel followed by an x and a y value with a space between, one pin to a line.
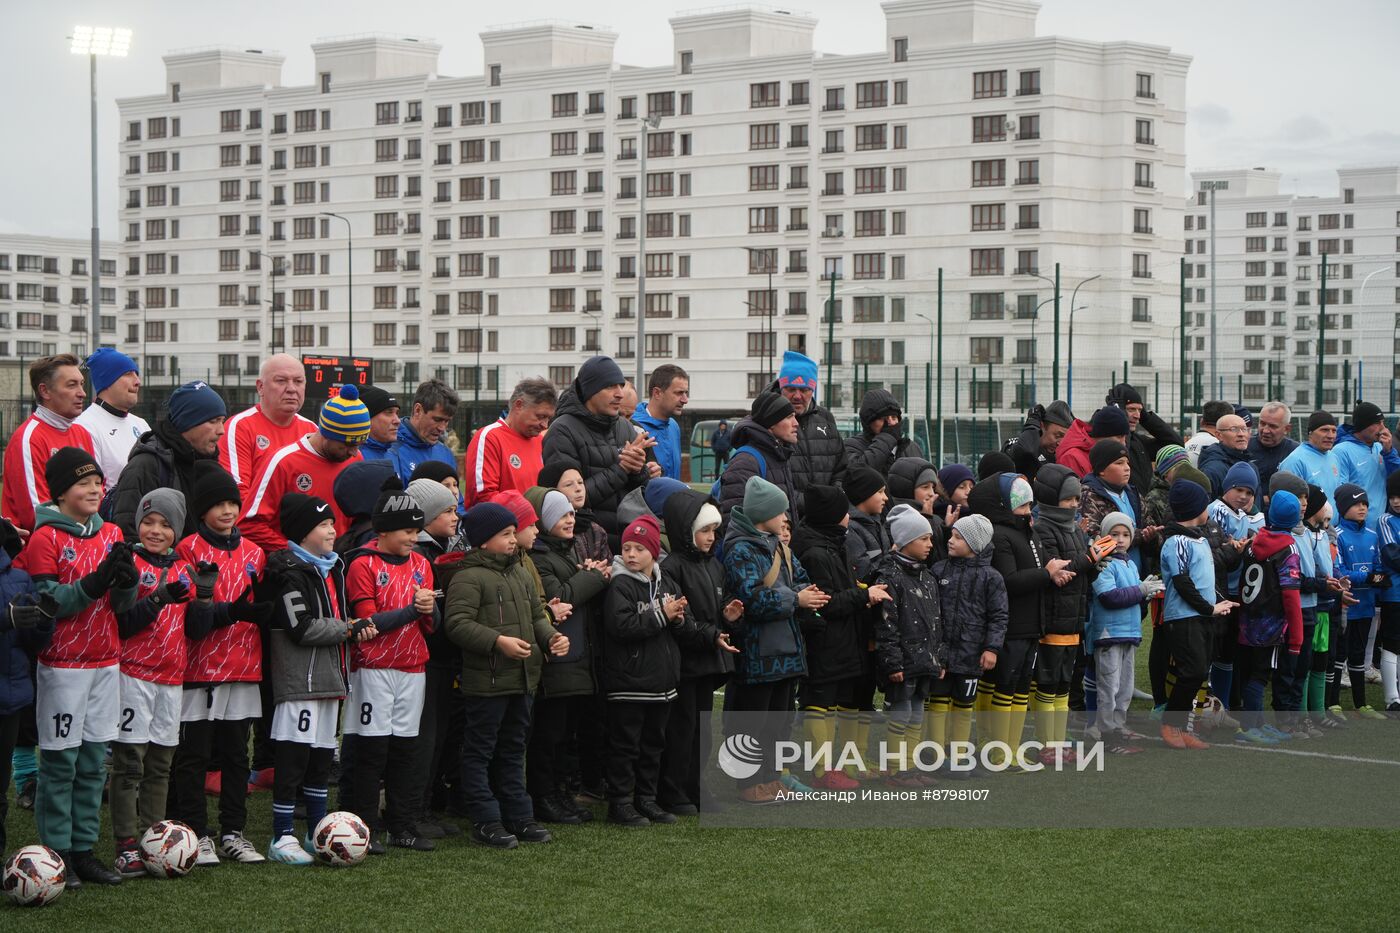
pixel 1091 692
pixel 315 806
pixel 1220 677
pixel 282 818
pixel 24 765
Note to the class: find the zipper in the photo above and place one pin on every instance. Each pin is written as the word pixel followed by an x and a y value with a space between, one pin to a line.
pixel 501 627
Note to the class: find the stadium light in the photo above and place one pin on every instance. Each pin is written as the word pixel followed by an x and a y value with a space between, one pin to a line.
pixel 101 40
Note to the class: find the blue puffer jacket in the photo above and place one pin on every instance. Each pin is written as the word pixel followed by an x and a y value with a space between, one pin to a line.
pixel 1366 466
pixel 1358 556
pixel 16 647
pixel 770 636
pixel 410 450
pixel 1116 608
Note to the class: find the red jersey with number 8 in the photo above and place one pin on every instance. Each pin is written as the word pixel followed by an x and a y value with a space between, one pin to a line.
pixel 377 582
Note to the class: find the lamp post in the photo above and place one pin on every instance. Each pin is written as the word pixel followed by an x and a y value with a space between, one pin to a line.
pixel 93 41
pixel 928 389
pixel 1211 187
pixel 349 282
pixel 1069 387
pixel 596 317
pixel 272 299
pixel 652 121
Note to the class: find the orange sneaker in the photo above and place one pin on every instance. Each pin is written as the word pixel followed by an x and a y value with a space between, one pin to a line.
pixel 1190 741
pixel 1174 737
pixel 758 794
pixel 835 780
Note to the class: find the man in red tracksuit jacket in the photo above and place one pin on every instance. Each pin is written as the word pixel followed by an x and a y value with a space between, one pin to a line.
pixel 58 399
pixel 252 436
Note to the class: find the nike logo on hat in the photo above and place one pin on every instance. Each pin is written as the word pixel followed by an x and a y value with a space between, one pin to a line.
pixel 322 508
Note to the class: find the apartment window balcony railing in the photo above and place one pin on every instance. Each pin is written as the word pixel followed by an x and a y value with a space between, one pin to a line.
pixel 1028 225
pixel 1027 270
pixel 796 227
pixel 1145 230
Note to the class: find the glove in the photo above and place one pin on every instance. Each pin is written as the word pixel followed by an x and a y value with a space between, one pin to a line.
pixel 893 430
pixel 125 574
pixel 249 611
pixel 100 580
pixel 171 591
pixel 206 574
pixel 24 617
pixel 1152 586
pixel 1036 415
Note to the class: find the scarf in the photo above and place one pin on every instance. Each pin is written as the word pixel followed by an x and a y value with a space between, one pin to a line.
pixel 52 418
pixel 323 564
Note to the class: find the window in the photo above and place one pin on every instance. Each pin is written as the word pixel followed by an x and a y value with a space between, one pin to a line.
pixel 230 121
pixel 762 261
pixel 1144 133
pixel 988 84
pixel 1029 127
pixel 989 217
pixel 798 94
pixel 565 105
pixel 988 306
pixel 761 220
pixel 835 99
pixel 473 113
pixel 797 136
pixel 1028 217
pixel 1141 312
pixel 869 180
pixel 663 104
pixel 763 136
pixel 1142 177
pixel 386 113
pixel 872 94
pixel 989 129
pixel 868 350
pixel 1144 86
pixel 901 49
pixel 985 350
pixel 659 184
pixel 870 223
pixel 763 178
pixel 1027 262
pixel 834 141
pixel 765 94
pixel 1028 172
pixel 871 136
pixel 561 338
pixel 1142 223
pixel 563 182
pixel 988 173
pixel 1140 267
pixel 559 144
pixel 987 261
pixel 561 260
pixel 833 183
pixel 1029 83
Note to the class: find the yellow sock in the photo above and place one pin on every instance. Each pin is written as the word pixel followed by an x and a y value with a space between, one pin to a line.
pixel 816 729
pixel 985 689
pixel 847 733
pixel 1016 721
pixel 998 718
pixel 896 741
pixel 1044 705
pixel 936 719
pixel 1062 717
pixel 961 722
pixel 864 718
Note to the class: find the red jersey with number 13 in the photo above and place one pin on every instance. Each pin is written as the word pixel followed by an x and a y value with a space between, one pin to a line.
pixel 88 638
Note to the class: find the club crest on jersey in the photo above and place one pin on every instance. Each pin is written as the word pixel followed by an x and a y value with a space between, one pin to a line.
pixel 251 569
pixel 382 579
pixel 148 578
pixel 303 482
pixel 262 442
pixel 69 554
pixel 418 577
pixel 515 461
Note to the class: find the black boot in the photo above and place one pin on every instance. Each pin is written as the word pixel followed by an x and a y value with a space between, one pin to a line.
pixel 529 831
pixel 653 811
pixel 90 868
pixel 624 813
pixel 493 835
pixel 554 810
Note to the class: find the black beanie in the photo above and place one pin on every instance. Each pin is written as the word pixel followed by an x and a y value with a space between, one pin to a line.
pixel 299 514
pixel 212 485
pixel 377 400
pixel 1366 414
pixel 1346 496
pixel 993 463
pixel 862 483
pixel 65 467
pixel 1316 500
pixel 824 506
pixel 1123 394
pixel 1109 421
pixel 435 470
pixel 552 472
pixel 595 375
pixel 396 510
pixel 1104 452
pixel 769 408
pixel 1320 419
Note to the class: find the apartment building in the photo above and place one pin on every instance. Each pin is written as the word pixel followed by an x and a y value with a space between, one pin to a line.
pixel 45 296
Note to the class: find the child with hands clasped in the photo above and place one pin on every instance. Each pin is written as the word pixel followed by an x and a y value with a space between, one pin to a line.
pixel 1113 630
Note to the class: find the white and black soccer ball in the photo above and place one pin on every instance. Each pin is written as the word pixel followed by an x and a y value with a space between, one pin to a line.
pixel 169 849
pixel 341 839
pixel 34 876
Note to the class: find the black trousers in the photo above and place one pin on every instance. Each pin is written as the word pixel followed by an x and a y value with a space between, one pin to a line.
pixel 636 737
pixel 397 762
pixel 774 700
pixel 1191 642
pixel 435 733
pixel 555 719
pixel 9 732
pixel 494 738
pixel 300 765
pixel 218 745
pixel 689 739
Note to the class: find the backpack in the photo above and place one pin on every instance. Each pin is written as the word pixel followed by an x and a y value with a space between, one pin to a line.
pixel 1262 618
pixel 745 449
pixel 107 508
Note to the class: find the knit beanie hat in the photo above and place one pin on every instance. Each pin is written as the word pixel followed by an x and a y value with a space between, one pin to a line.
pixel 1186 500
pixel 1282 479
pixel 769 408
pixel 357 487
pixel 707 516
pixel 763 500
pixel 167 503
pixel 212 485
pixel 1242 474
pixel 554 508
pixel 906 525
pixel 861 483
pixel 657 491
pixel 523 511
pixel 298 515
pixel 1392 484
pixel 435 470
pixel 345 418
pixel 908 474
pixel 397 510
pixel 484 521
pixel 1109 421
pixel 1105 453
pixel 798 370
pixel 976 530
pixel 65 467
pixel 824 506
pixel 1115 520
pixel 1170 456
pixel 1194 475
pixel 106 366
pixel 1244 412
pixel 1124 394
pixel 1317 499
pixel 193 404
pixel 377 400
pixel 1055 482
pixel 994 463
pixel 952 476
pixel 644 531
pixel 551 472
pixel 1348 495
pixel 596 374
pixel 1285 512
pixel 1015 491
pixel 1058 412
pixel 1366 414
pixel 1319 419
pixel 432 497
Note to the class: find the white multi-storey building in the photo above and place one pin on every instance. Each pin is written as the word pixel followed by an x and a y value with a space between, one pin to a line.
pixel 495 217
pixel 1269 290
pixel 45 298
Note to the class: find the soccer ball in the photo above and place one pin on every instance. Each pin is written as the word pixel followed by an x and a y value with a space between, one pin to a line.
pixel 169 849
pixel 341 839
pixel 34 876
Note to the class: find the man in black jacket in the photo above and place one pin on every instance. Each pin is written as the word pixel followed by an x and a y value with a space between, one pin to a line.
pixel 165 455
pixel 770 430
pixel 819 457
pixel 882 441
pixel 1147 433
pixel 1034 447
pixel 588 430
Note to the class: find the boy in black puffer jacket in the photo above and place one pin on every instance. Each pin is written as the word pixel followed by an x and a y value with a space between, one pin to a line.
pixel 1057 532
pixel 973 604
pixel 1005 500
pixel 838 659
pixel 868 539
pixel 692 523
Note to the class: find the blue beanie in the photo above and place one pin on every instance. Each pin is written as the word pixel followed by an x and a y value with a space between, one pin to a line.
pixel 1285 512
pixel 1186 500
pixel 657 491
pixel 194 403
pixel 108 365
pixel 798 370
pixel 1242 474
pixel 597 374
pixel 484 521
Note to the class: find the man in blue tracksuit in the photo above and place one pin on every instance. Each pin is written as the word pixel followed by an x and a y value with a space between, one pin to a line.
pixel 1361 461
pixel 1313 460
pixel 668 391
pixel 420 437
pixel 383 423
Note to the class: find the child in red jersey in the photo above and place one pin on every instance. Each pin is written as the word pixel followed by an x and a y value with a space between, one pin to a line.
pixel 153 633
pixel 223 669
pixel 85 566
pixel 389 584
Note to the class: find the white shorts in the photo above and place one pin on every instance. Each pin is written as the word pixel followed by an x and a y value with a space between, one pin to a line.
pixel 73 705
pixel 221 701
pixel 150 712
pixel 384 702
pixel 309 722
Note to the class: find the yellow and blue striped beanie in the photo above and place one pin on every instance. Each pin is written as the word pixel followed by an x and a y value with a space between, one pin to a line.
pixel 345 418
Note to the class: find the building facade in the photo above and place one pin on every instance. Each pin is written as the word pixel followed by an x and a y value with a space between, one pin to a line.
pixel 496 218
pixel 45 296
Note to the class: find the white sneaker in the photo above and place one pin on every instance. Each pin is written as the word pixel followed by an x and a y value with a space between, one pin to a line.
pixel 207 857
pixel 288 851
pixel 1346 679
pixel 235 846
pixel 1373 675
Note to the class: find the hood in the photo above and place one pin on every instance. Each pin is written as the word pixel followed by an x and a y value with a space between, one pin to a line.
pixel 679 513
pixel 808 537
pixel 1347 434
pixel 1076 438
pixel 1267 543
pixel 409 437
pixel 904 476
pixel 986 500
pixel 547 543
pixel 476 557
pixel 357 487
pixel 154 444
pixel 632 507
pixel 619 569
pixel 571 404
pixel 644 418
pixel 176 444
pixel 48 514
pixel 876 403
pixel 742 529
pixel 751 433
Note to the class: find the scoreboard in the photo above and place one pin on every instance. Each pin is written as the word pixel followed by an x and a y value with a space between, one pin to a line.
pixel 326 374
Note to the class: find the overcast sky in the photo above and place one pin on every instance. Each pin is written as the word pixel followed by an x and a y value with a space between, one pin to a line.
pixel 1296 86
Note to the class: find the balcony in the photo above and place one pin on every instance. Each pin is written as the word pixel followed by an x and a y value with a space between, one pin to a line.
pixel 442 198
pixel 411 304
pixel 442 161
pixel 1146 141
pixel 278 202
pixel 832 233
pixel 626 195
pixel 626 235
pixel 592 268
pixel 1144 184
pixel 795 228
pixel 593 112
pixel 441 274
pixel 830 150
pixel 593 308
pixel 1145 231
pixel 795 270
pixel 798 144
pixel 592 150
pixel 832 108
pixel 253 196
pixel 442 124
pixel 437 236
pixel 1028 225
pixel 1023 137
pixel 1027 360
pixel 593 228
pixel 593 189
pixel 625 274
pixel 833 192
pixel 1028 91
pixel 1142 274
pixel 626 156
pixel 1028 180
pixel 277 237
pixel 1146 95
pixel 797 186
pixel 1026 270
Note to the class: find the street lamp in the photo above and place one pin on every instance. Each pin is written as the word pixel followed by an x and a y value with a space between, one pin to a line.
pixel 928 390
pixel 349 282
pixel 1069 372
pixel 652 121
pixel 93 41
pixel 272 299
pixel 596 316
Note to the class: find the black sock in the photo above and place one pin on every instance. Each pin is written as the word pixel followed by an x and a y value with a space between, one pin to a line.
pixel 1358 687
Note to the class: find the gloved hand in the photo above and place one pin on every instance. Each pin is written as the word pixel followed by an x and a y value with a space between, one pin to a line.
pixel 1036 415
pixel 25 616
pixel 170 591
pixel 894 430
pixel 245 610
pixel 206 574
pixel 124 572
pixel 99 581
pixel 1151 587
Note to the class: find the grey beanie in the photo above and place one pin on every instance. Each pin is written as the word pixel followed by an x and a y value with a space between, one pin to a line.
pixel 1113 519
pixel 906 525
pixel 1282 479
pixel 432 497
pixel 976 530
pixel 554 507
pixel 169 503
pixel 1058 412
